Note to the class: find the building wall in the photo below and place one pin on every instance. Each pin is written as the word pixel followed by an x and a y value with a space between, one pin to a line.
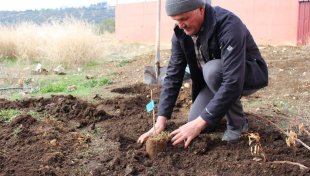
pixel 136 22
pixel 270 21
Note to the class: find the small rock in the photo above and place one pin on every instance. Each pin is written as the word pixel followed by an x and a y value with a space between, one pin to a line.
pixel 72 88
pixel 38 68
pixel 53 142
pixel 89 77
pixel 257 159
pixel 59 70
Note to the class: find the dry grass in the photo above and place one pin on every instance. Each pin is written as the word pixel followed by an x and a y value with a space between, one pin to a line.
pixel 7 42
pixel 70 41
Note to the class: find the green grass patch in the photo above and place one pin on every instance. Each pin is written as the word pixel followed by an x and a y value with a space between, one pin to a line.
pixel 8 59
pixel 253 103
pixel 7 115
pixel 123 62
pixel 91 64
pixel 71 84
pixel 97 82
pixel 75 85
pixel 33 114
pixel 54 87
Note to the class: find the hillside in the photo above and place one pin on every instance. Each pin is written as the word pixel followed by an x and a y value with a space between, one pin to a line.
pixel 93 14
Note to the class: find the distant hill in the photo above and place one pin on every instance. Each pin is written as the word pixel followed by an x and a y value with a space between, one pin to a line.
pixel 93 14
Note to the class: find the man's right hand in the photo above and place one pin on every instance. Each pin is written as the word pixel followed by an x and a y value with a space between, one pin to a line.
pixel 159 126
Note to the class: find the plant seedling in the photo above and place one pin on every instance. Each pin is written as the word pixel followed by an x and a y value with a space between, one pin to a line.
pixel 157 142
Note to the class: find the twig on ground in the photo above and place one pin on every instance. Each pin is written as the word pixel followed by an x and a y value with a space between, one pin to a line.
pixel 302 129
pixel 302 143
pixel 10 88
pixel 14 88
pixel 281 130
pixel 307 132
pixel 301 166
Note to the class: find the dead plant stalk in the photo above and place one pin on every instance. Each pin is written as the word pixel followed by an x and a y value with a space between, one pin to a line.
pixel 281 130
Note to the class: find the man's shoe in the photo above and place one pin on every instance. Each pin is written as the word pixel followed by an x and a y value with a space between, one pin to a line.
pixel 234 135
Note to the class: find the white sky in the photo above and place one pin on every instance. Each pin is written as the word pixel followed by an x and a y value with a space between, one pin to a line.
pixel 39 4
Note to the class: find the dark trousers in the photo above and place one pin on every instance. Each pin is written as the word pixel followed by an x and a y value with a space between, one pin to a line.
pixel 213 78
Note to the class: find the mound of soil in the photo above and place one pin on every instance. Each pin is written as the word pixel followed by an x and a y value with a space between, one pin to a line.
pixel 64 108
pixel 33 147
pixel 74 137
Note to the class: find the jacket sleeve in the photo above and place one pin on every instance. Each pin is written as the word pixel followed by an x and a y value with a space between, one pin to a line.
pixel 232 39
pixel 173 80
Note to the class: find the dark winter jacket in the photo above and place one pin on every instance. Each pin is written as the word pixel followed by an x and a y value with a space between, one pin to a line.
pixel 224 37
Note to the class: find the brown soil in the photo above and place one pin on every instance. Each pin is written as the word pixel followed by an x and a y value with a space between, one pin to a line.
pixel 70 136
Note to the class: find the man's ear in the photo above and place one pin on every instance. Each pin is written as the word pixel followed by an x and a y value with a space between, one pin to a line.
pixel 201 9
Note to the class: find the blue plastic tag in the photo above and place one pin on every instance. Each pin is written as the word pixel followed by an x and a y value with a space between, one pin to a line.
pixel 150 106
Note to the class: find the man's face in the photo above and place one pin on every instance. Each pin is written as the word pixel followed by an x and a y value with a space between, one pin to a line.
pixel 190 21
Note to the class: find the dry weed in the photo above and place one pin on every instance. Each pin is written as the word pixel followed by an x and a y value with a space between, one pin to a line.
pixel 7 42
pixel 256 147
pixel 291 138
pixel 70 41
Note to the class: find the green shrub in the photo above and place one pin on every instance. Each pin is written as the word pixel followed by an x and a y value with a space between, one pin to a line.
pixel 107 25
pixel 8 114
pixel 8 59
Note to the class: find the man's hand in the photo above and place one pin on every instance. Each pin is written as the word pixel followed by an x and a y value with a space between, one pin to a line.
pixel 159 126
pixel 188 131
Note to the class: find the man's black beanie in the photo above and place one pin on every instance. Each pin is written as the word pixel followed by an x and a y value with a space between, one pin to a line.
pixel 176 7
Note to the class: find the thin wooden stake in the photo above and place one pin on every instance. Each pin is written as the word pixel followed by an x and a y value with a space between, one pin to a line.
pixel 153 113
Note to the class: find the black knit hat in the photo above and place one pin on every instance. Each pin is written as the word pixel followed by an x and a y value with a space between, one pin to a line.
pixel 176 7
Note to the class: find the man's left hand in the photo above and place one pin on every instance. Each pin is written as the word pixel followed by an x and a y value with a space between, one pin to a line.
pixel 188 131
